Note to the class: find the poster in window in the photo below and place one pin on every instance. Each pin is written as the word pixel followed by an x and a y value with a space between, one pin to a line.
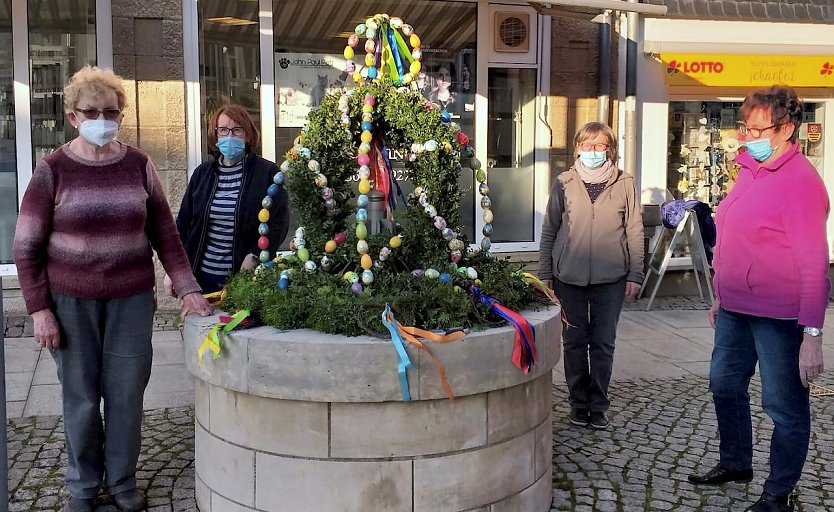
pixel 302 81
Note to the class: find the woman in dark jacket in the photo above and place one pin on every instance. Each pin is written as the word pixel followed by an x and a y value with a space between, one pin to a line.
pixel 218 219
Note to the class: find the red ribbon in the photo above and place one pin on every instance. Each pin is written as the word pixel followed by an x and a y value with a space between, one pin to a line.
pixel 524 350
pixel 381 173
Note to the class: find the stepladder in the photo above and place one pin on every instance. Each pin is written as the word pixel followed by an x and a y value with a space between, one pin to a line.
pixel 681 248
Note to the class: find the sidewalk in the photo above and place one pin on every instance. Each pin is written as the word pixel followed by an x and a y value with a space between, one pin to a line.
pixel 662 427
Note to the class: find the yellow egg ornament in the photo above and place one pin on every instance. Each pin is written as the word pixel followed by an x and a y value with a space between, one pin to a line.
pixel 366 136
pixel 395 241
pixel 367 262
pixel 414 68
pixel 348 52
pixel 263 215
pixel 364 188
pixel 330 246
pixel 414 40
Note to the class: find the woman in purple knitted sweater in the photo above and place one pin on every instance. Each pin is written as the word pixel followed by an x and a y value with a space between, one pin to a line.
pixel 90 221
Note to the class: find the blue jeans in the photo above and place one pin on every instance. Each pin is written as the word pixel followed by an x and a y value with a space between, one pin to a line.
pixel 740 341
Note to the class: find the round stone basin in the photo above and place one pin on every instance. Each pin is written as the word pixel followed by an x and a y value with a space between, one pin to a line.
pixel 304 421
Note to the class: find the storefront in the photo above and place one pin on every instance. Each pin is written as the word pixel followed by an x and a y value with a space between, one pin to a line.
pixel 485 63
pixel 692 80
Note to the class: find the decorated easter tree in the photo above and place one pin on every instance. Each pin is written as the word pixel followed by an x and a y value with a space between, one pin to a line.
pixel 348 264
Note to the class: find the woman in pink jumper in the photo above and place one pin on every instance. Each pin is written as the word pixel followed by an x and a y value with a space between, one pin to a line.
pixel 90 221
pixel 771 282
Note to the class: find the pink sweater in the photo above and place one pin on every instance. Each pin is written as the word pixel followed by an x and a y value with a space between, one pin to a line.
pixel 87 229
pixel 771 258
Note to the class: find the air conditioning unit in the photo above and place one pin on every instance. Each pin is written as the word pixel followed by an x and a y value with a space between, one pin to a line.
pixel 511 32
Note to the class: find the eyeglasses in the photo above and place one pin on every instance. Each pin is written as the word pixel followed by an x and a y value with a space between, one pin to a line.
pixel 756 132
pixel 593 147
pixel 111 114
pixel 224 131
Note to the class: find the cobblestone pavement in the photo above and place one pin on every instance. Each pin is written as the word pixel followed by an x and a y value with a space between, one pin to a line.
pixel 661 431
pixel 166 466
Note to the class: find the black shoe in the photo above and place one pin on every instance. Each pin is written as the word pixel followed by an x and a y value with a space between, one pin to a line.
pixel 79 505
pixel 599 420
pixel 721 475
pixel 770 503
pixel 131 500
pixel 580 417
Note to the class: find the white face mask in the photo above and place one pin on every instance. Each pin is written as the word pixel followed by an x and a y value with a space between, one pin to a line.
pixel 99 131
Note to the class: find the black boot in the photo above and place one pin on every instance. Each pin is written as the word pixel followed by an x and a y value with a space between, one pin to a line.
pixel 721 475
pixel 770 503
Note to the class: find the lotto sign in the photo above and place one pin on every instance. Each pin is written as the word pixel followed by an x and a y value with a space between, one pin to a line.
pixel 814 131
pixel 737 70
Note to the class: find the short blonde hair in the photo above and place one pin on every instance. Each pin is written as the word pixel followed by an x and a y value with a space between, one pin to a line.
pixel 591 130
pixel 96 80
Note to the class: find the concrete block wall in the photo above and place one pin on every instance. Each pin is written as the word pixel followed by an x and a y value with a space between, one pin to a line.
pixel 488 452
pixel 148 54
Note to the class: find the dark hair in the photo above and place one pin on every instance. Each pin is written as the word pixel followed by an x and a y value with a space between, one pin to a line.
pixel 780 101
pixel 240 116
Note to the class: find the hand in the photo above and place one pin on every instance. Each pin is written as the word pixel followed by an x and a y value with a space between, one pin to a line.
pixel 713 312
pixel 810 359
pixel 47 333
pixel 169 287
pixel 632 289
pixel 249 262
pixel 195 303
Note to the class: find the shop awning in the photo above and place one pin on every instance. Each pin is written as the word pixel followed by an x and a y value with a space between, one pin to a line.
pixel 591 8
pixel 748 70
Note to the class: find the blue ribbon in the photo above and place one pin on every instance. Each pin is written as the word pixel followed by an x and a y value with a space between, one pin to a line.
pixel 392 42
pixel 392 199
pixel 404 363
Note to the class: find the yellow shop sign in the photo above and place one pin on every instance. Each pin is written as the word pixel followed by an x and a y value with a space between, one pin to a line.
pixel 732 70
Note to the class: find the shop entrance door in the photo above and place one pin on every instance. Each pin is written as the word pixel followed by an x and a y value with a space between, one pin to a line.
pixel 511 145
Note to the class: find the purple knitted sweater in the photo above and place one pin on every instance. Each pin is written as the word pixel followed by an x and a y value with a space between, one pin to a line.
pixel 87 229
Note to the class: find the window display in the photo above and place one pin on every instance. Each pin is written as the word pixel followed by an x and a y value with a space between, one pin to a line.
pixel 703 144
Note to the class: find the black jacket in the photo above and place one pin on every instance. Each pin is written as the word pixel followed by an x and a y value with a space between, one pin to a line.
pixel 192 220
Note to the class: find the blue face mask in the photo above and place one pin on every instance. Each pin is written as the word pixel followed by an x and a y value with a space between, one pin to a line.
pixel 760 149
pixel 231 147
pixel 592 159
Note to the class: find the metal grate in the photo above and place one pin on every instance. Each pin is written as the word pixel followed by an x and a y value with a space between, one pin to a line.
pixel 513 31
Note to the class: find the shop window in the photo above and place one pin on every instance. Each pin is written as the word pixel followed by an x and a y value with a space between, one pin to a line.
pixel 309 63
pixel 230 64
pixel 8 167
pixel 62 39
pixel 703 145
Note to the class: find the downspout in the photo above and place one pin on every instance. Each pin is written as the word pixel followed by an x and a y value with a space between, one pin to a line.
pixel 630 134
pixel 604 96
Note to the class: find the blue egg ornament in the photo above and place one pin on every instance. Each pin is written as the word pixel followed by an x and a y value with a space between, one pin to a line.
pixel 263 229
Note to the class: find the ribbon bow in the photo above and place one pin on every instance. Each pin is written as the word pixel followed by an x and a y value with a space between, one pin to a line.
pixel 524 351
pixel 214 339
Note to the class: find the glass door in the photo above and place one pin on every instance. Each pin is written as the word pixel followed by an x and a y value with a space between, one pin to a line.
pixel 8 166
pixel 511 145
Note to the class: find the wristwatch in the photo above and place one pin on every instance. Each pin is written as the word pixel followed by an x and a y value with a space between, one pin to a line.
pixel 812 331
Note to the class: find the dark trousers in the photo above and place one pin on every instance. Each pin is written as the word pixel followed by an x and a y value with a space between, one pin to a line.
pixel 593 312
pixel 105 355
pixel 740 341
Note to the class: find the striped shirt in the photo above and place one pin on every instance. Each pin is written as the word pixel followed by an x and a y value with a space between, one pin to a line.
pixel 217 257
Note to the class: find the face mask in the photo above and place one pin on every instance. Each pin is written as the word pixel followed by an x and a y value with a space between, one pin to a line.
pixel 231 147
pixel 99 131
pixel 760 149
pixel 593 159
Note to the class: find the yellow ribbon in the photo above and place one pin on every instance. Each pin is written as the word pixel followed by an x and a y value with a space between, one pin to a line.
pixel 214 339
pixel 548 292
pixel 215 298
